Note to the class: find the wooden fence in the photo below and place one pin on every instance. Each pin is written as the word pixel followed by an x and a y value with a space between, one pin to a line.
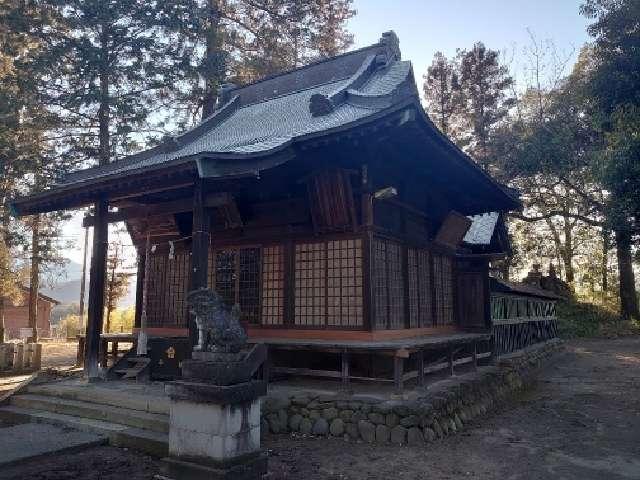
pixel 518 322
pixel 20 357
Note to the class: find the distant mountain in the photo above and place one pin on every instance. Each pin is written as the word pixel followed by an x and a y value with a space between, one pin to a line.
pixel 66 285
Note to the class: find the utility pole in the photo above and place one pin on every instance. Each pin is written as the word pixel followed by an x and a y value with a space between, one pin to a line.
pixel 34 284
pixel 84 277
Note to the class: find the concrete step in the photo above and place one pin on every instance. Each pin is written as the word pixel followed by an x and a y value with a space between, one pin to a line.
pixel 153 443
pixel 155 422
pixel 145 398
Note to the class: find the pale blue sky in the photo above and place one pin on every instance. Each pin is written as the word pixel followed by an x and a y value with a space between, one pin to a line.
pixel 426 26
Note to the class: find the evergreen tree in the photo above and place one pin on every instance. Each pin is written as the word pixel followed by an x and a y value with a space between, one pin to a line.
pixel 442 93
pixel 117 63
pixel 245 40
pixel 613 89
pixel 485 102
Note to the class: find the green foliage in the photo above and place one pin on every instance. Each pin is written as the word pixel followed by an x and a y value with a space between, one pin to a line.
pixel 245 40
pixel 576 319
pixel 70 326
pixel 122 320
pixel 442 92
pixel 116 65
pixel 468 97
pixel 59 312
pixel 117 284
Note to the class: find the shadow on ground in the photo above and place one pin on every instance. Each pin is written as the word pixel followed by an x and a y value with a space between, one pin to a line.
pixel 582 422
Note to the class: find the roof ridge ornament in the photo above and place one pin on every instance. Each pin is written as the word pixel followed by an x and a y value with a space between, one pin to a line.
pixel 321 104
pixel 224 92
pixel 391 42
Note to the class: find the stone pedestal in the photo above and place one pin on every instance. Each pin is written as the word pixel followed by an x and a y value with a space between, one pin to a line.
pixel 215 431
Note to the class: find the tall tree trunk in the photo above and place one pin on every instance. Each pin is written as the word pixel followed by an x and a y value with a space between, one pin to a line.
pixel 604 266
pixel 34 284
pixel 211 68
pixel 567 251
pixel 628 297
pixel 103 111
pixel 1 319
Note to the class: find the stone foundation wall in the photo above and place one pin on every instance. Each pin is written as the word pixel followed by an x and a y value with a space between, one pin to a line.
pixel 419 416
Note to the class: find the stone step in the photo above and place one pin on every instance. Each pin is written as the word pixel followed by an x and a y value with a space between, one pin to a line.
pixel 156 422
pixel 149 399
pixel 153 443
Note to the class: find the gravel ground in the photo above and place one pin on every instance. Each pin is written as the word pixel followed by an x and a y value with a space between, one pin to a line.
pixel 582 422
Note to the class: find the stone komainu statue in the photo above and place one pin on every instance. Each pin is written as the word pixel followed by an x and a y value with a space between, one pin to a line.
pixel 219 329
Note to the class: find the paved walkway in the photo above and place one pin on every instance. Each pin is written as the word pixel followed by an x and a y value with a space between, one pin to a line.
pixel 30 440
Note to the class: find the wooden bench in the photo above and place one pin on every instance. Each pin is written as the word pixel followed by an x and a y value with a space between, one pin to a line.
pixel 105 339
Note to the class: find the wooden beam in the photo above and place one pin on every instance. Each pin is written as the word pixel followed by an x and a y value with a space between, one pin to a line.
pixel 162 209
pixel 150 191
pixel 95 311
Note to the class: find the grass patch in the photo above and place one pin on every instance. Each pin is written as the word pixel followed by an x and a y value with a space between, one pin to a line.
pixel 577 319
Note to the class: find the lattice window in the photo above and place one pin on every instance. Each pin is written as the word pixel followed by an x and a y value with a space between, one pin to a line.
pixel 380 283
pixel 388 284
pixel 155 291
pixel 249 284
pixel 178 286
pixel 167 284
pixel 414 295
pixel 420 306
pixel 396 286
pixel 235 276
pixel 310 284
pixel 344 283
pixel 273 285
pixel 328 284
pixel 443 278
pixel 226 275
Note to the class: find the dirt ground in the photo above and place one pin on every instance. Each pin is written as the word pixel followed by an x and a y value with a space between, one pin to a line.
pixel 59 354
pixel 582 422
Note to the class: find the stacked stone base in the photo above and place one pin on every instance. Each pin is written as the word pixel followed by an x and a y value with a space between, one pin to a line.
pixel 424 416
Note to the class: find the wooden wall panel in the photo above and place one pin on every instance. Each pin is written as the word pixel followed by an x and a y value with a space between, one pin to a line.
pixel 471 299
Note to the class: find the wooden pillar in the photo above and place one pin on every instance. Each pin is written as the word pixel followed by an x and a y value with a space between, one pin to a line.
pixel 199 250
pixel 266 366
pixel 420 366
pixel 398 373
pixel 451 360
pixel 345 373
pixel 366 201
pixel 95 312
pixel 475 355
pixel 139 288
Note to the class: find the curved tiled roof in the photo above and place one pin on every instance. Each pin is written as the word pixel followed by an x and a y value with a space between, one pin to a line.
pixel 256 121
pixel 266 115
